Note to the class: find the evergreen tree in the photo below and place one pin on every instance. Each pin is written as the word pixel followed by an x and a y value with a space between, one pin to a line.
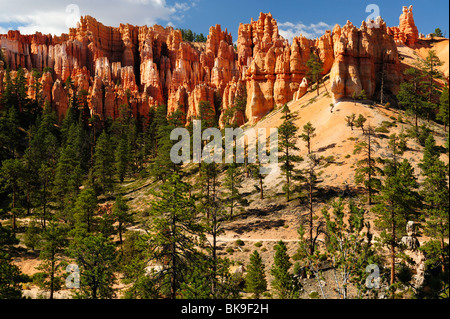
pixel 430 155
pixel 351 120
pixel 10 274
pixel 311 180
pixel 41 159
pixel 122 216
pixel 437 32
pixel 308 134
pixel 162 166
pixel 96 258
pixel 287 133
pixel 284 282
pixel 103 169
pixel 315 69
pixel 232 183
pixel 435 193
pixel 10 134
pixel 398 203
pixel 11 173
pixel 256 278
pixel 69 173
pixel 430 69
pixel 52 246
pixel 122 157
pixel 348 248
pixel 367 169
pixel 359 122
pixel 176 232
pixel 444 108
pixel 84 210
pixel 396 148
pixel 410 95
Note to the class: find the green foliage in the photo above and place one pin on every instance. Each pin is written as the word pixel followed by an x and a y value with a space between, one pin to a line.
pixel 176 231
pixel 308 134
pixel 54 240
pixel 348 247
pixel 232 197
pixel 367 169
pixel 103 167
pixel 95 256
pixel 188 35
pixel 284 283
pixel 84 209
pixel 122 215
pixel 287 138
pixel 410 95
pixel 443 114
pixel 438 32
pixel 398 203
pixel 315 69
pixel 10 274
pixel 255 280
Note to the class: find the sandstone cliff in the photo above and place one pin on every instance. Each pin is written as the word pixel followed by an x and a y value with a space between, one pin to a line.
pixel 142 67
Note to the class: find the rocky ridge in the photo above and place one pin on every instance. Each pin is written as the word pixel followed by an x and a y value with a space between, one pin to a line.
pixel 143 67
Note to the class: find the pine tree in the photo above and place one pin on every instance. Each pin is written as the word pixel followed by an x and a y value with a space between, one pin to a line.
pixel 83 212
pixel 314 65
pixel 398 203
pixel 283 283
pixel 232 183
pixel 103 169
pixel 351 120
pixel 444 108
pixel 122 158
pixel 367 167
pixel 311 180
pixel 435 193
pixel 69 173
pixel 430 155
pixel 176 231
pixel 287 133
pixel 308 134
pixel 162 166
pixel 52 246
pixel 122 216
pixel 410 95
pixel 396 149
pixel 348 248
pixel 10 274
pixel 95 256
pixel 359 122
pixel 10 134
pixel 256 278
pixel 11 173
pixel 430 68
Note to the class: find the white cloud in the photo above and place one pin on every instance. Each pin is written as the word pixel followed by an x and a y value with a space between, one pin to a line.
pixel 55 17
pixel 289 30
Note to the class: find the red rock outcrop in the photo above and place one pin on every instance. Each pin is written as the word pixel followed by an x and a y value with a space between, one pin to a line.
pixel 143 67
pixel 406 32
pixel 360 57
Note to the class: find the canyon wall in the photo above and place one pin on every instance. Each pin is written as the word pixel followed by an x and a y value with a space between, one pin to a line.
pixel 142 67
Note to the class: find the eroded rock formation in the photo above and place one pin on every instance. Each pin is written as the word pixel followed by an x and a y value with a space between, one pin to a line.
pixel 142 67
pixel 365 58
pixel 406 32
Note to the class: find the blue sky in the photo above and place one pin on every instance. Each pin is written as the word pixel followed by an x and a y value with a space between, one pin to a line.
pixel 311 18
